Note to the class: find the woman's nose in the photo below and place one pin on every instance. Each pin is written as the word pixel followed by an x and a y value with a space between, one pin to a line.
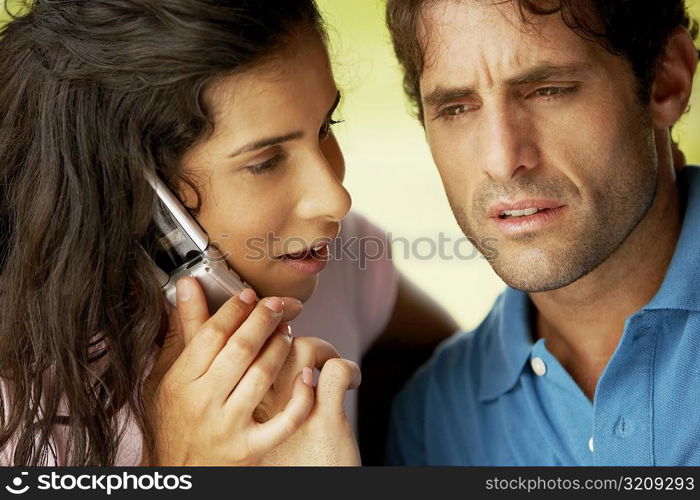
pixel 322 194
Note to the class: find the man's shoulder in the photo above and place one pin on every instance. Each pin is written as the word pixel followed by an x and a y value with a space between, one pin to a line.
pixel 458 359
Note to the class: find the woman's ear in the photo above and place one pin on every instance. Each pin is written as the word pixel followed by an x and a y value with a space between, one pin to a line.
pixel 187 192
pixel 673 83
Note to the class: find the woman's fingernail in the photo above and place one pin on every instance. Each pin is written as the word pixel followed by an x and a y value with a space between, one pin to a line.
pixel 307 376
pixel 291 301
pixel 248 296
pixel 274 304
pixel 288 330
pixel 183 289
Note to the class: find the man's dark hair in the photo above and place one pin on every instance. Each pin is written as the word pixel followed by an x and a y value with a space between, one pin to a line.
pixel 634 29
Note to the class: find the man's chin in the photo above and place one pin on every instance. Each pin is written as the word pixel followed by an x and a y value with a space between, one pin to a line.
pixel 529 287
pixel 536 277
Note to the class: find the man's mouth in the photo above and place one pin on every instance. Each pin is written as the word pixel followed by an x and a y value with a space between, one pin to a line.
pixel 526 216
pixel 522 209
pixel 527 212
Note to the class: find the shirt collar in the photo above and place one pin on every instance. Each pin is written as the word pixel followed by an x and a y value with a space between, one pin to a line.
pixel 681 286
pixel 508 349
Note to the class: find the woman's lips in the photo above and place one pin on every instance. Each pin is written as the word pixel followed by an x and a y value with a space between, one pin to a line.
pixel 309 261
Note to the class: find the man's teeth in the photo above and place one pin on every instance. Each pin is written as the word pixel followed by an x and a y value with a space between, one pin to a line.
pixel 520 213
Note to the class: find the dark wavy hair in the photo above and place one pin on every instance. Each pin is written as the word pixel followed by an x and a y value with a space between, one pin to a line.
pixel 634 29
pixel 93 93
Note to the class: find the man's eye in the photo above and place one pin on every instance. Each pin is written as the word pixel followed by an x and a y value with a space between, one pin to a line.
pixel 325 130
pixel 455 110
pixel 452 112
pixel 549 93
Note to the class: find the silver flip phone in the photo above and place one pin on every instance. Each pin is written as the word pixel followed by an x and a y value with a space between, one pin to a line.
pixel 179 247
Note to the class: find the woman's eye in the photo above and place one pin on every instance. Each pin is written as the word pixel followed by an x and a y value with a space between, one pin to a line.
pixel 325 130
pixel 264 167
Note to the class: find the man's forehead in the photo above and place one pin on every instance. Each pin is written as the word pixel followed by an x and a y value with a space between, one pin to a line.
pixel 461 38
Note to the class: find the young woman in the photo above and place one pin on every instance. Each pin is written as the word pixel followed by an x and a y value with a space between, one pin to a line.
pixel 231 104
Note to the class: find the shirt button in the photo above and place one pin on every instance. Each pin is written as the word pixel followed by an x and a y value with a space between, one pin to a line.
pixel 624 427
pixel 590 444
pixel 538 366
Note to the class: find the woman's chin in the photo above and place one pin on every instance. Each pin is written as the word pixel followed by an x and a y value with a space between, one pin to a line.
pixel 300 289
pixel 308 291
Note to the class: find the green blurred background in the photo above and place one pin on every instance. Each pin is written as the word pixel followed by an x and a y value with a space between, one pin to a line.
pixel 389 169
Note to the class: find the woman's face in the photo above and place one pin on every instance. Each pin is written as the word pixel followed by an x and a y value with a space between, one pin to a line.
pixel 270 176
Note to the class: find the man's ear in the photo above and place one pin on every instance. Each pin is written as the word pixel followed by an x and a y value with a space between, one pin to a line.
pixel 673 83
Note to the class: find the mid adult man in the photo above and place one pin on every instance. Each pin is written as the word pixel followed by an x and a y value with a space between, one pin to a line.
pixel 550 123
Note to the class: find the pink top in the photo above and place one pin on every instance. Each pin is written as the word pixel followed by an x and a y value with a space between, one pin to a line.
pixel 350 308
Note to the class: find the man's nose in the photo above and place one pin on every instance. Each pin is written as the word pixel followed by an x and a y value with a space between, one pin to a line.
pixel 511 145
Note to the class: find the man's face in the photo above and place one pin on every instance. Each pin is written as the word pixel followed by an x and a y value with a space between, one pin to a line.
pixel 545 152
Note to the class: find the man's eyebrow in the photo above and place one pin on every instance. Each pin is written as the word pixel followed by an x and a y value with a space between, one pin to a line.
pixel 548 71
pixel 539 73
pixel 273 141
pixel 443 95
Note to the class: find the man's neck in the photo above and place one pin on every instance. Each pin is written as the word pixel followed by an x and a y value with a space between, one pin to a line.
pixel 583 323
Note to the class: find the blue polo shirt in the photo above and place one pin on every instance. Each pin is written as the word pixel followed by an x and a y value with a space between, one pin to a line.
pixel 494 397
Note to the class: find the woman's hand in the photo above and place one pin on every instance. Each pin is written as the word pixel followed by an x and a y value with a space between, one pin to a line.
pixel 326 437
pixel 211 375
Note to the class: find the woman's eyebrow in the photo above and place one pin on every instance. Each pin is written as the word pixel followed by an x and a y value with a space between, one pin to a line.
pixel 273 141
pixel 264 143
